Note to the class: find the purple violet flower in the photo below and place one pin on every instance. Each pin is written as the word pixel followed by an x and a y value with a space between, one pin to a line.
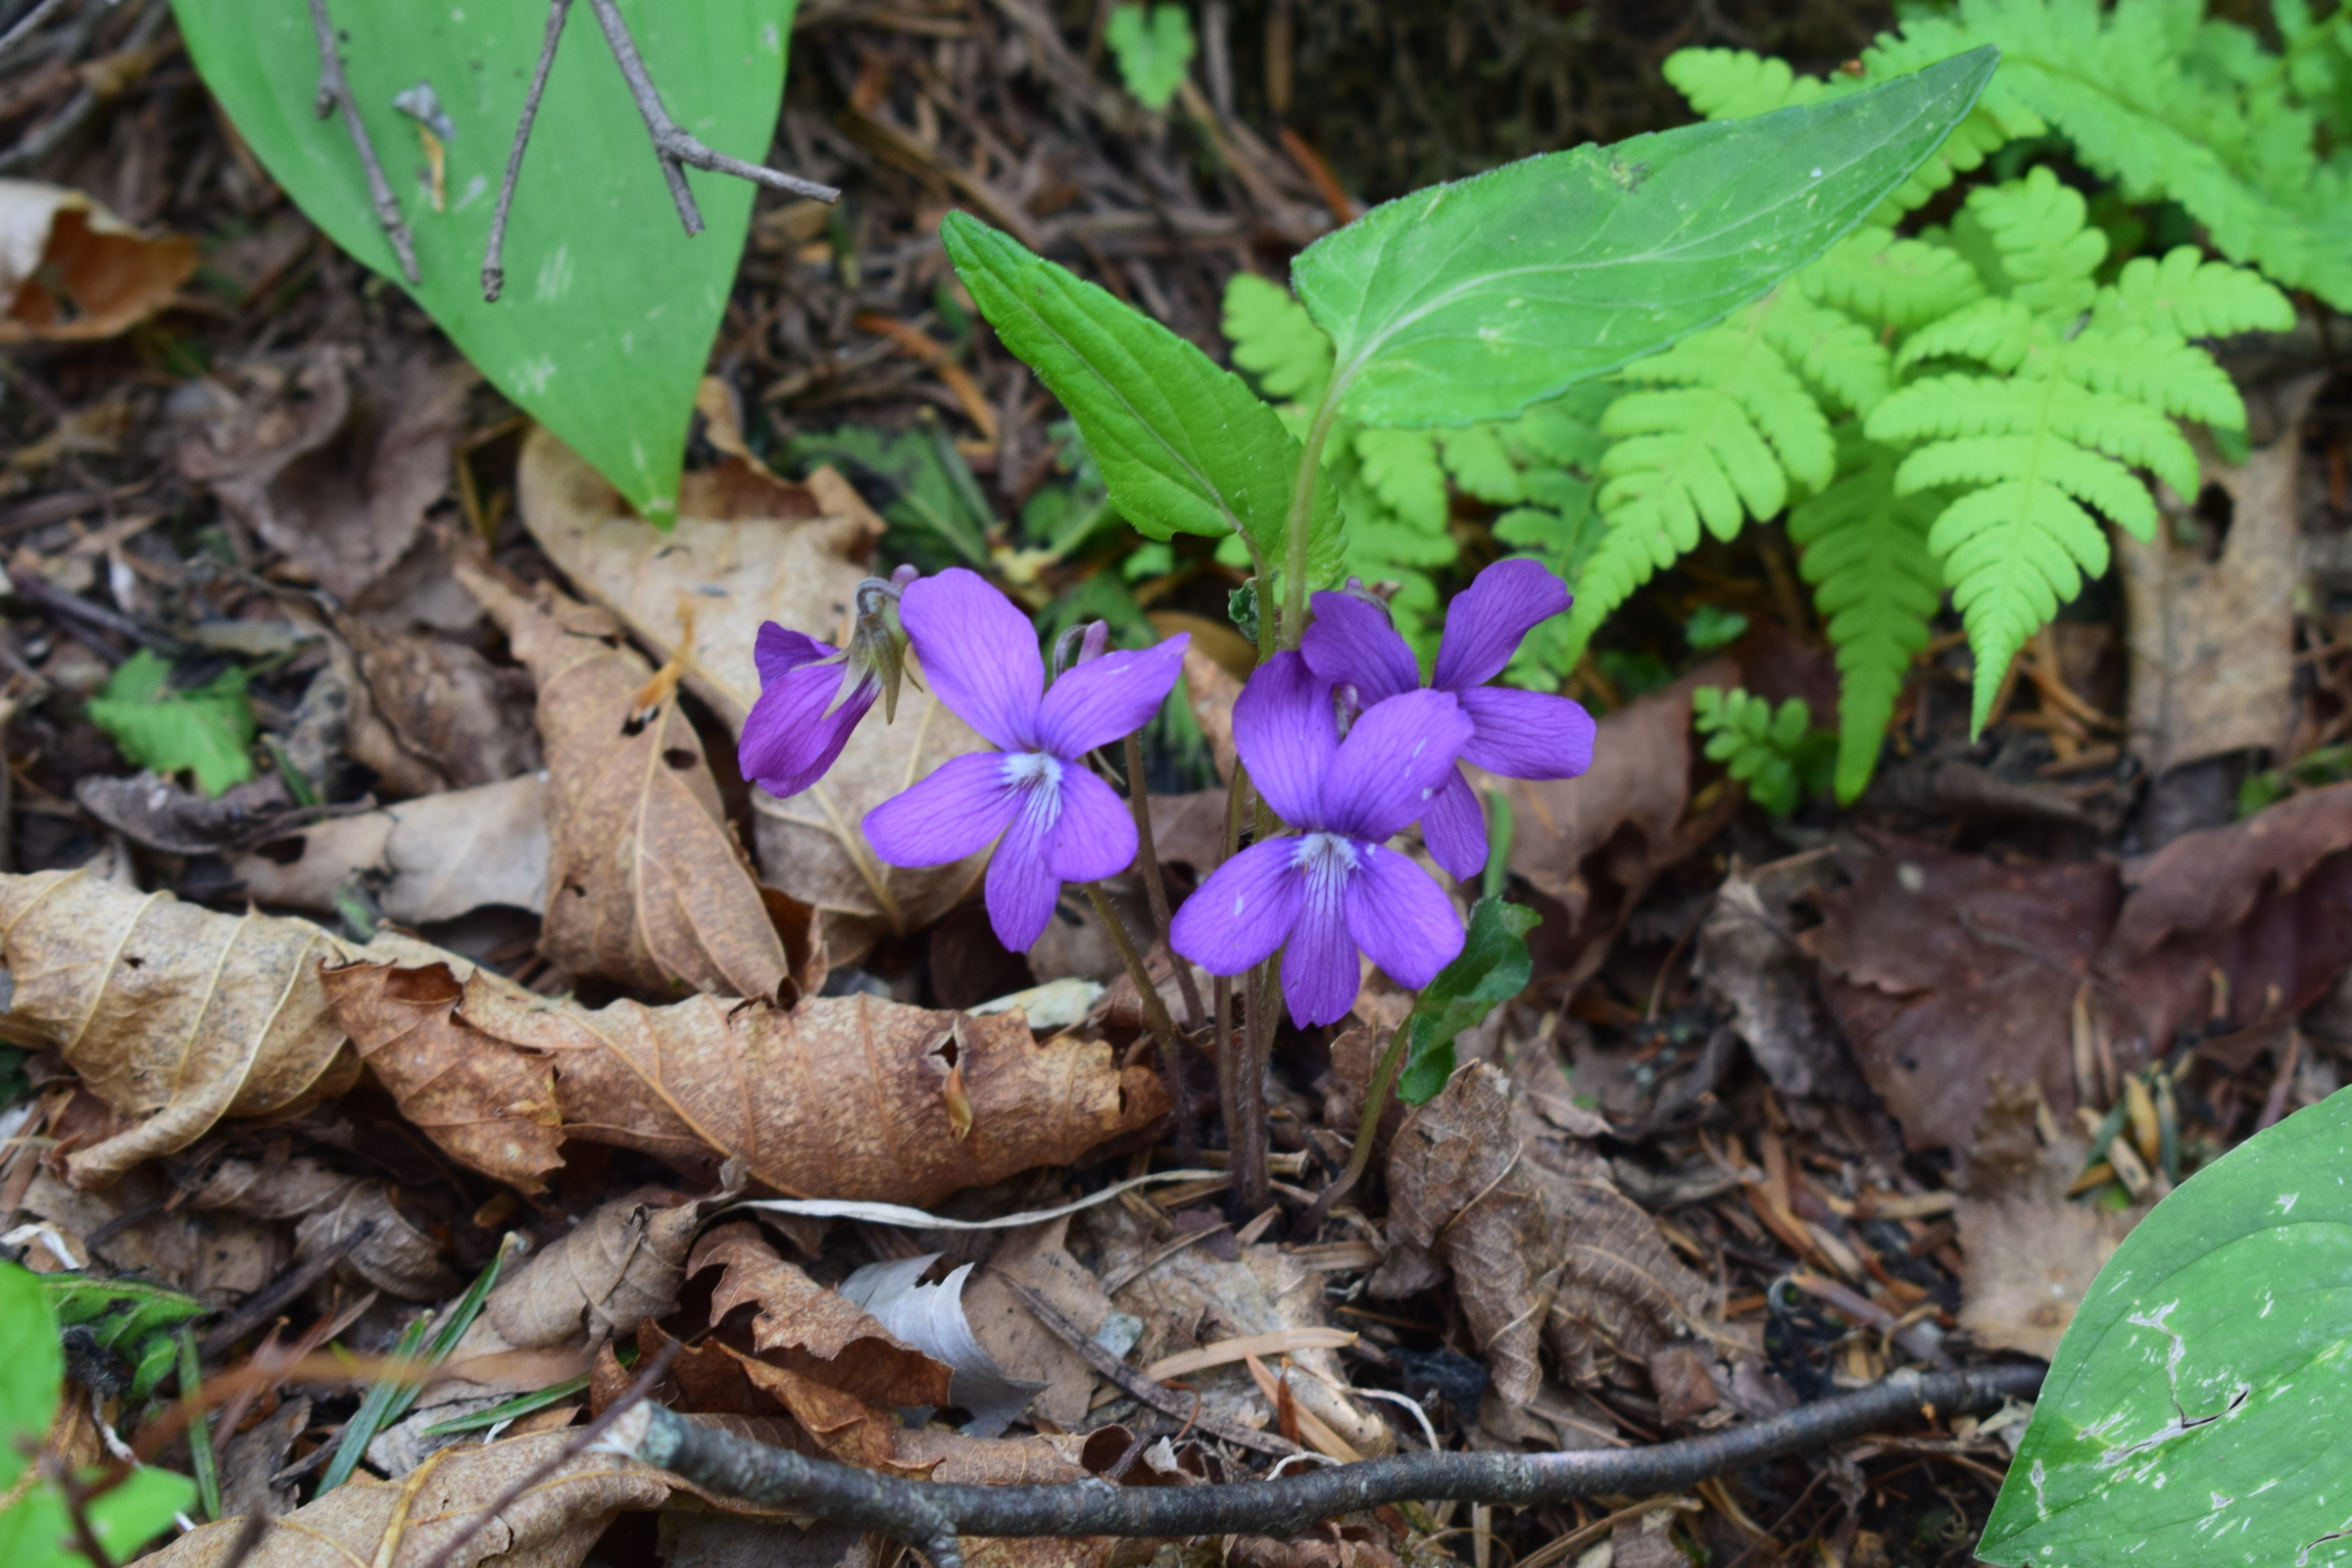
pixel 1333 887
pixel 813 693
pixel 1514 733
pixel 1057 822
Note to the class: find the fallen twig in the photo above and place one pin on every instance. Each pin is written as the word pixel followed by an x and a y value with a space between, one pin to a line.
pixel 494 254
pixel 334 89
pixel 933 1516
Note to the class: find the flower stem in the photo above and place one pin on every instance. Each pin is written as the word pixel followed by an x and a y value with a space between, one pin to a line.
pixel 1302 520
pixel 1155 1011
pixel 1155 886
pixel 1367 1132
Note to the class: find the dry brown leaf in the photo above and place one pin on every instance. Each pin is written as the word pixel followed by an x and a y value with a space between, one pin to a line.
pixel 432 858
pixel 2213 643
pixel 855 1432
pixel 1213 689
pixel 646 883
pixel 1357 1547
pixel 1541 1245
pixel 220 1257
pixel 495 1111
pixel 1748 957
pixel 332 455
pixel 393 1256
pixel 405 1524
pixel 697 1540
pixel 1038 1256
pixel 811 1330
pixel 747 551
pixel 1592 845
pixel 173 1015
pixel 71 270
pixel 446 707
pixel 840 1096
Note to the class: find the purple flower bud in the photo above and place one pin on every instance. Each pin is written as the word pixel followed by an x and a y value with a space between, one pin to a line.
pixel 811 694
pixel 1052 821
pixel 1333 887
pixel 1514 733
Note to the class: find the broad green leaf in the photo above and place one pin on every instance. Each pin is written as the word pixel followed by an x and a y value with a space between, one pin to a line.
pixel 1184 445
pixel 1469 301
pixel 32 1370
pixel 2199 1409
pixel 37 1533
pixel 200 729
pixel 610 308
pixel 1491 970
pixel 1154 49
pixel 130 1319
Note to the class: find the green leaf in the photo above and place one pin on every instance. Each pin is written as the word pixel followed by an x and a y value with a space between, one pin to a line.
pixel 1154 49
pixel 2199 1408
pixel 1184 445
pixel 202 729
pixel 130 1319
pixel 36 1533
pixel 1467 302
pixel 1711 627
pixel 610 308
pixel 31 1371
pixel 1491 970
pixel 932 487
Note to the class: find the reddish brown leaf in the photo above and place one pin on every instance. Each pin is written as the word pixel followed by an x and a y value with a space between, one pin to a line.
pixel 811 1330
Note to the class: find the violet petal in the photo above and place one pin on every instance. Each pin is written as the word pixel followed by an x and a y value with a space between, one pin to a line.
pixel 1455 829
pixel 965 802
pixel 1527 734
pixel 1021 888
pixel 1096 835
pixel 1284 728
pixel 1320 973
pixel 778 650
pixel 1487 620
pixel 979 654
pixel 1354 644
pixel 797 729
pixel 1106 698
pixel 1392 764
pixel 1401 917
pixel 1242 912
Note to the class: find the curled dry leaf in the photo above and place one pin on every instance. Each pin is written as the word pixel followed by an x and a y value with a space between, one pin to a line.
pixel 646 883
pixel 332 455
pixel 1541 1245
pixel 1594 844
pixel 932 1318
pixel 840 1096
pixel 405 1524
pixel 432 859
pixel 174 1015
pixel 1748 960
pixel 69 269
pixel 450 711
pixel 392 1254
pixel 811 1330
pixel 748 549
pixel 149 808
pixel 623 1263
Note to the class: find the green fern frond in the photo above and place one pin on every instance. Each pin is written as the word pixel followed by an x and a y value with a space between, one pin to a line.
pixel 1774 753
pixel 1736 85
pixel 1400 468
pixel 1481 465
pixel 1877 585
pixel 1275 340
pixel 1902 283
pixel 1946 408
pixel 2186 294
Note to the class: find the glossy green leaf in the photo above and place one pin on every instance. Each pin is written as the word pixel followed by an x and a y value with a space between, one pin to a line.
pixel 130 1320
pixel 204 730
pixel 1154 46
pixel 1470 301
pixel 610 308
pixel 31 1371
pixel 1184 445
pixel 1492 968
pixel 2199 1409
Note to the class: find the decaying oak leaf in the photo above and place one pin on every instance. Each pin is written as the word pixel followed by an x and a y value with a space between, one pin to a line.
pixel 1592 845
pixel 392 1254
pixel 748 549
pixel 839 1096
pixel 69 269
pixel 495 1111
pixel 1541 1246
pixel 173 1015
pixel 812 1330
pixel 432 859
pixel 622 1264
pixel 405 1524
pixel 646 883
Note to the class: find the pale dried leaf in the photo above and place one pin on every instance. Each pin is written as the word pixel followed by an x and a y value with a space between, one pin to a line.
pixel 71 270
pixel 646 883
pixel 747 550
pixel 432 858
pixel 931 1318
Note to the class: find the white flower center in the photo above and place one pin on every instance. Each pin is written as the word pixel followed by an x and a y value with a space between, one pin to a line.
pixel 1037 776
pixel 1327 858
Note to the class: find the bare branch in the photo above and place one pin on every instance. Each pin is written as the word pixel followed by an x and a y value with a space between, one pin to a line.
pixel 334 88
pixel 933 1515
pixel 673 147
pixel 493 256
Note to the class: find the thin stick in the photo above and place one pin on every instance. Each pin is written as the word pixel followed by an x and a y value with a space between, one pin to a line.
pixel 494 254
pixel 672 146
pixel 26 24
pixel 334 89
pixel 934 1515
pixel 654 1371
pixel 1246 1120
pixel 1156 885
pixel 1155 1016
